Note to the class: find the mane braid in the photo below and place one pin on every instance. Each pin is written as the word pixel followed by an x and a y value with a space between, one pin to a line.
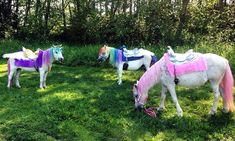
pixel 150 78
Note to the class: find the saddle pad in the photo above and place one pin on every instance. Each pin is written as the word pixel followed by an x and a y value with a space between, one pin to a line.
pixel 131 58
pixel 197 64
pixel 30 63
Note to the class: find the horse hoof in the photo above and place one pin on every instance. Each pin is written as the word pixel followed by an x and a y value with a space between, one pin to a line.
pixel 212 112
pixel 44 87
pixel 119 83
pixel 160 108
pixel 225 110
pixel 180 114
pixel 18 87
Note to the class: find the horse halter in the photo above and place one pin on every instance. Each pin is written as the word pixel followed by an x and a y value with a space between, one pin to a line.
pixel 139 96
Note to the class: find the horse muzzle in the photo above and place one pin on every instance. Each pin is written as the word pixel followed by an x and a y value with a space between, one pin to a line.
pixel 61 60
pixel 139 108
pixel 100 60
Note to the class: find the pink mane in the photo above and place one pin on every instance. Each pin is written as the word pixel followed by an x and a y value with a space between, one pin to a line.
pixel 149 78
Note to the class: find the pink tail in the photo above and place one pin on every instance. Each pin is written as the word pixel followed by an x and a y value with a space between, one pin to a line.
pixel 227 86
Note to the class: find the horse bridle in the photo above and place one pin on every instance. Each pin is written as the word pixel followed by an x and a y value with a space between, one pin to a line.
pixel 139 96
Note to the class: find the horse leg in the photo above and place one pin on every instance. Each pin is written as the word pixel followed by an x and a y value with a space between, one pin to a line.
pixel 171 89
pixel 42 72
pixel 44 80
pixel 17 78
pixel 225 107
pixel 163 97
pixel 147 65
pixel 119 74
pixel 10 77
pixel 215 88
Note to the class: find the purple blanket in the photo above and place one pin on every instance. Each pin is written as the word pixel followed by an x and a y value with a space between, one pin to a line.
pixel 30 63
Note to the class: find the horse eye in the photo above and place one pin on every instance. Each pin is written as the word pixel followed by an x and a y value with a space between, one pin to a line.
pixel 56 52
pixel 135 95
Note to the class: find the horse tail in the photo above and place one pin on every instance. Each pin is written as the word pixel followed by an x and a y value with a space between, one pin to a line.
pixel 153 60
pixel 6 56
pixel 227 86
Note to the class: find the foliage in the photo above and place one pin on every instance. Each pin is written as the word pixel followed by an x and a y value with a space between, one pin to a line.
pixel 108 21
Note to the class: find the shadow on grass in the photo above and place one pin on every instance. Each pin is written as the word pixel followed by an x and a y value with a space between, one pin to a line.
pixel 85 103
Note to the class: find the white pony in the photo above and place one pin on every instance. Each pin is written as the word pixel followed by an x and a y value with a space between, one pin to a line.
pixel 43 63
pixel 215 69
pixel 127 59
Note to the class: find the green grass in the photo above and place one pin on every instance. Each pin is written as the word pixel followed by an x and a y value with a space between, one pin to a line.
pixel 85 103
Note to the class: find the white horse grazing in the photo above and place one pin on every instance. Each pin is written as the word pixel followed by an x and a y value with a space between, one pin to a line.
pixel 43 63
pixel 192 70
pixel 126 60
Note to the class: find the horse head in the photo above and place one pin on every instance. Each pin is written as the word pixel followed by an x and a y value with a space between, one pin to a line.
pixel 103 54
pixel 57 53
pixel 140 99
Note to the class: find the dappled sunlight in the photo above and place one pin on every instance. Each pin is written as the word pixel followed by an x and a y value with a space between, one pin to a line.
pixel 68 96
pixel 87 100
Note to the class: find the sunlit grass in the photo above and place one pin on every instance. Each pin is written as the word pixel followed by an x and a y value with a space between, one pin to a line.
pixel 85 103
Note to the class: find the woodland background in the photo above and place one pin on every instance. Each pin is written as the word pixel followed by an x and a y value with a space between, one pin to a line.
pixel 171 22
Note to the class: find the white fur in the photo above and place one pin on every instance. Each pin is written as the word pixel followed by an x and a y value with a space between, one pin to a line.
pixel 16 70
pixel 214 74
pixel 134 65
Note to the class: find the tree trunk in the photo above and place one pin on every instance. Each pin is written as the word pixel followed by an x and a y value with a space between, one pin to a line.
pixel 28 3
pixel 137 8
pixel 182 21
pixel 124 6
pixel 63 14
pixel 221 5
pixel 106 7
pixel 37 6
pixel 130 7
pixel 47 14
pixel 16 25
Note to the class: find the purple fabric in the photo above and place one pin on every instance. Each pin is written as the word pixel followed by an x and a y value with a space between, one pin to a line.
pixel 30 63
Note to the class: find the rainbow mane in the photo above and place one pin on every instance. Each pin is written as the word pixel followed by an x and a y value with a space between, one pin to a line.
pixel 115 56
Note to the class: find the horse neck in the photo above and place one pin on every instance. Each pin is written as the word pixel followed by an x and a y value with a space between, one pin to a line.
pixel 151 77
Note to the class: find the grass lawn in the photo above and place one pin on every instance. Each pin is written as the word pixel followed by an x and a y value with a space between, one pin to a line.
pixel 85 103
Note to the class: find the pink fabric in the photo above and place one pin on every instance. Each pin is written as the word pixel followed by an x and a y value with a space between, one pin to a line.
pixel 196 65
pixel 150 112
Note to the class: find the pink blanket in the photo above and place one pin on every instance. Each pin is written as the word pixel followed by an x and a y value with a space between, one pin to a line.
pixel 195 65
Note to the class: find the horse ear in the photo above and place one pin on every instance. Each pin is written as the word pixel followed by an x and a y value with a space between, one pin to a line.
pixel 23 48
